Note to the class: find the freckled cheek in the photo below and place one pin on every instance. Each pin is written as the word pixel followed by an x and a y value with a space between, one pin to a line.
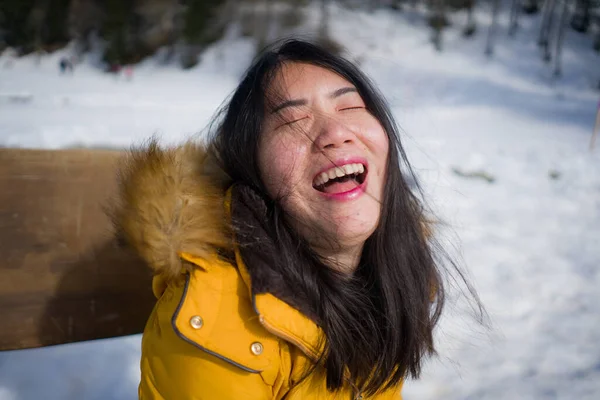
pixel 378 143
pixel 280 167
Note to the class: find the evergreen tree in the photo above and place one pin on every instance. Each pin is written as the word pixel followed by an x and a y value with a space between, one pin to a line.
pixel 55 23
pixel 119 14
pixel 197 21
pixel 201 27
pixel 17 31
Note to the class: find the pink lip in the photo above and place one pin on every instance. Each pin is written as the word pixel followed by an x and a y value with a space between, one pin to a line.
pixel 350 194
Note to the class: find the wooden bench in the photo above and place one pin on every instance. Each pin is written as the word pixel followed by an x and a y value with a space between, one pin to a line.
pixel 63 275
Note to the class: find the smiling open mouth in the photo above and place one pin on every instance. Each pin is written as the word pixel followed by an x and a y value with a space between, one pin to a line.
pixel 341 179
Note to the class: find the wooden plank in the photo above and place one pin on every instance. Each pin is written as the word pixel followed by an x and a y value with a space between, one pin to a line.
pixel 63 276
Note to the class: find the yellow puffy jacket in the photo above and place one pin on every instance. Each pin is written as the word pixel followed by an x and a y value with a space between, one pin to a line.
pixel 208 336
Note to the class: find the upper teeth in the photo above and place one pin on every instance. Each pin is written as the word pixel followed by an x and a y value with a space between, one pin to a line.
pixel 338 172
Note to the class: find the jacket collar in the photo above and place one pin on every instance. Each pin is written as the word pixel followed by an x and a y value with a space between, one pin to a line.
pixel 283 320
pixel 266 289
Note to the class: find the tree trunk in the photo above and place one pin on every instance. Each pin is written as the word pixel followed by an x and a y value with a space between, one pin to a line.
pixel 596 127
pixel 470 28
pixel 560 38
pixel 324 23
pixel 547 19
pixel 581 18
pixel 530 6
pixel 36 24
pixel 489 50
pixel 438 21
pixel 396 4
pixel 515 11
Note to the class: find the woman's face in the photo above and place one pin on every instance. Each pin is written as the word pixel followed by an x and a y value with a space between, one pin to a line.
pixel 324 156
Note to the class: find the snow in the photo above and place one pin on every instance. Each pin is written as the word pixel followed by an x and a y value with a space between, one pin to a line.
pixel 530 242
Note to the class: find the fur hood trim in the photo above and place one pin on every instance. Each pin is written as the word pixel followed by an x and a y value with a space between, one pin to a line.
pixel 171 201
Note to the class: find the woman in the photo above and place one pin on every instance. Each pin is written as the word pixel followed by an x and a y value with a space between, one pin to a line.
pixel 291 258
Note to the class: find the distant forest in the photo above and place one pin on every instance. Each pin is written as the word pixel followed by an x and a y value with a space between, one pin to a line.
pixel 134 29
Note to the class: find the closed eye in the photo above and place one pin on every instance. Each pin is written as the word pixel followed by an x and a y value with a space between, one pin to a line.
pixel 291 122
pixel 352 108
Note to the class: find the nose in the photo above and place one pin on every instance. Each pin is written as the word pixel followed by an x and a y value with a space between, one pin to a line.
pixel 332 133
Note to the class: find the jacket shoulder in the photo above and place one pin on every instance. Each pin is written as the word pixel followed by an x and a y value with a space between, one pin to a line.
pixel 204 326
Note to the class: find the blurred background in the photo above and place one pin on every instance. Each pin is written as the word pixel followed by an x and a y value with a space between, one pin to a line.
pixel 497 101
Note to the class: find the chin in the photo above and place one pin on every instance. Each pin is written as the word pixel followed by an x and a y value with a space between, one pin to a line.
pixel 355 233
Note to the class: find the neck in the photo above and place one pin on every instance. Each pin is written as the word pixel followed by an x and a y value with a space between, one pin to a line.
pixel 344 260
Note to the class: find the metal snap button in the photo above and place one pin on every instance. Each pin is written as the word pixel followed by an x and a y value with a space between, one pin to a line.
pixel 256 348
pixel 196 322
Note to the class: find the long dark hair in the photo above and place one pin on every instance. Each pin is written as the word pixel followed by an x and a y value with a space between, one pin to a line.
pixel 378 324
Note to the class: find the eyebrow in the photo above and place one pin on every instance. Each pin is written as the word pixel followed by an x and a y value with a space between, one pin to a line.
pixel 302 102
pixel 343 91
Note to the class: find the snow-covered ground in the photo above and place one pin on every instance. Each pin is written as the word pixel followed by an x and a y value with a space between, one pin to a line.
pixel 530 239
